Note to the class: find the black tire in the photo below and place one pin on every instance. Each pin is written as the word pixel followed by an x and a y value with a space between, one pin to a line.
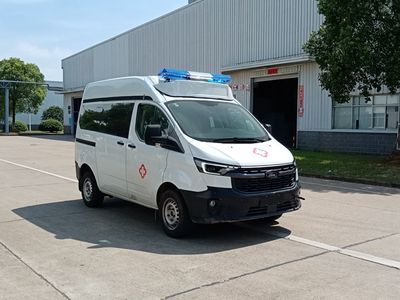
pixel 91 195
pixel 173 215
pixel 272 218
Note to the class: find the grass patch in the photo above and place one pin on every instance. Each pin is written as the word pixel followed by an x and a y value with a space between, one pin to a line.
pixel 384 170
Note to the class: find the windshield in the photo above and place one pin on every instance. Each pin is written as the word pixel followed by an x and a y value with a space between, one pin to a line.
pixel 217 121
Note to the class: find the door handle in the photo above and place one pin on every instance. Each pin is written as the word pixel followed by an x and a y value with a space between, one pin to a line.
pixel 132 146
pixel 120 143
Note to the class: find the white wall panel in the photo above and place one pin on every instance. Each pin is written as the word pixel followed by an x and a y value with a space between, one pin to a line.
pixel 111 59
pixel 205 36
pixel 317 104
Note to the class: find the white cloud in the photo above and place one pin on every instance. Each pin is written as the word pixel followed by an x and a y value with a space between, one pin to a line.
pixel 33 50
pixel 47 58
pixel 73 25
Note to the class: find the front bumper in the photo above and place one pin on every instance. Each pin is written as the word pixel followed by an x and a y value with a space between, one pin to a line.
pixel 231 205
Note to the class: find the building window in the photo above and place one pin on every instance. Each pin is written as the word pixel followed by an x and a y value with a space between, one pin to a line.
pixel 381 112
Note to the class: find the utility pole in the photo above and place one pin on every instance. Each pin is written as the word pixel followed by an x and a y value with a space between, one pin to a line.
pixel 6 86
pixel 7 109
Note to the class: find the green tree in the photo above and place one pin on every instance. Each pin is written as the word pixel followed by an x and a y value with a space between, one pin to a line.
pixel 358 46
pixel 53 112
pixel 25 98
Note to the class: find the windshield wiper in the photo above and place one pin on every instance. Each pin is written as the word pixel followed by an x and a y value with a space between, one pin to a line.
pixel 240 140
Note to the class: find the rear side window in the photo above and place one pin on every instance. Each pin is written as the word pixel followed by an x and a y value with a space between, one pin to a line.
pixel 108 118
pixel 150 115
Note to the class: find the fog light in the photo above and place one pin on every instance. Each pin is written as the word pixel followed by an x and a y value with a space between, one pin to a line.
pixel 212 203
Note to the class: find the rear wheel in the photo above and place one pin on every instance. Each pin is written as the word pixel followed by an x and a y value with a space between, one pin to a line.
pixel 174 217
pixel 91 195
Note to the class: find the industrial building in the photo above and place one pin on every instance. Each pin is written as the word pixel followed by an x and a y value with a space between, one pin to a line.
pixel 260 44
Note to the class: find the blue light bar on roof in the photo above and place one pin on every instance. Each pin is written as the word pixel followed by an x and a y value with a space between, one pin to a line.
pixel 172 74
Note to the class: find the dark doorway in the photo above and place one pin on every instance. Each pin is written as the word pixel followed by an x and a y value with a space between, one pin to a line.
pixel 76 106
pixel 275 103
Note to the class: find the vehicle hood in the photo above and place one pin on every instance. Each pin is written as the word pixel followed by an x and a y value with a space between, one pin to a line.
pixel 244 155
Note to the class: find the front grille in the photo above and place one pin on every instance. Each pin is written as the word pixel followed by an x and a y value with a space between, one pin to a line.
pixel 266 179
pixel 256 211
pixel 269 209
pixel 287 205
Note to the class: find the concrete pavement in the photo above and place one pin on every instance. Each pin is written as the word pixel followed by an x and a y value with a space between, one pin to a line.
pixel 343 243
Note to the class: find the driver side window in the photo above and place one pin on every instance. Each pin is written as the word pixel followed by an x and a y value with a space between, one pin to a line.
pixel 148 114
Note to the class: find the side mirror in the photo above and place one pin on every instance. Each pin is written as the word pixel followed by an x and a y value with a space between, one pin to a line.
pixel 268 127
pixel 151 133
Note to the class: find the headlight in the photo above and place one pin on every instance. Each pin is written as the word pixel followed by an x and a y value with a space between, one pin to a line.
pixel 297 170
pixel 213 168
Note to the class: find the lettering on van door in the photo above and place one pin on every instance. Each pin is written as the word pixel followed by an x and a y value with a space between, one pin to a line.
pixel 142 171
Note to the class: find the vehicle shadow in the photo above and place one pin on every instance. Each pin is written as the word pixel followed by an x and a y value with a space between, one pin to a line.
pixel 53 137
pixel 120 224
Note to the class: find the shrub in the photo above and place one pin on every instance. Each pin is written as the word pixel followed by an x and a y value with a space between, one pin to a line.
pixel 53 112
pixel 19 126
pixel 51 125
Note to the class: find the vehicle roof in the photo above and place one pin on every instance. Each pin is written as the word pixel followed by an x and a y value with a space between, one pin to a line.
pixel 153 86
pixel 120 87
pixel 195 89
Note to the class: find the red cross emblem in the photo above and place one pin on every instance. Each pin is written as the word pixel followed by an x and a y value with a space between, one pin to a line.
pixel 142 171
pixel 260 152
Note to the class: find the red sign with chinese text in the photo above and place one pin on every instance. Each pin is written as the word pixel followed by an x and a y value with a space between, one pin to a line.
pixel 300 112
pixel 272 71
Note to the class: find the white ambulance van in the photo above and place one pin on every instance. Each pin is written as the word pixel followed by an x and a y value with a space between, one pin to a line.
pixel 181 144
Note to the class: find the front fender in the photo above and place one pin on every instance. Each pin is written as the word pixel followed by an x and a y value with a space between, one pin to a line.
pixel 182 172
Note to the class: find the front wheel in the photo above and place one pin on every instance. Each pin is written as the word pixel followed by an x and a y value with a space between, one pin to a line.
pixel 174 218
pixel 91 195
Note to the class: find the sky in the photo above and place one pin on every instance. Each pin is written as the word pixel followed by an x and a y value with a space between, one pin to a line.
pixel 45 31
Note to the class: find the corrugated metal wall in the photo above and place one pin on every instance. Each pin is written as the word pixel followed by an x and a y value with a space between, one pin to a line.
pixel 205 36
pixel 317 104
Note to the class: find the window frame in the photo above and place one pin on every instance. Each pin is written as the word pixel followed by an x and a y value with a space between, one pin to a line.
pixel 112 103
pixel 356 102
pixel 170 124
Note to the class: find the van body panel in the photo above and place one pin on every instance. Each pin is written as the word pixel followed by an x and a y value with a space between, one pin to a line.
pixel 181 88
pixel 217 181
pixel 123 87
pixel 86 154
pixel 182 176
pixel 111 164
pixel 145 171
pixel 245 155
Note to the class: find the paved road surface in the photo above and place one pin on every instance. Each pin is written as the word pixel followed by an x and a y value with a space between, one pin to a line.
pixel 343 243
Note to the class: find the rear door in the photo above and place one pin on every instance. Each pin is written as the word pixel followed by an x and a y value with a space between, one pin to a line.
pixel 145 164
